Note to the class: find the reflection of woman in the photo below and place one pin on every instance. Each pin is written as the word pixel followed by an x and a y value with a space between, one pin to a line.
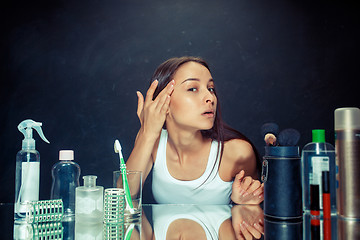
pixel 196 158
pixel 247 221
pixel 207 222
pixel 192 221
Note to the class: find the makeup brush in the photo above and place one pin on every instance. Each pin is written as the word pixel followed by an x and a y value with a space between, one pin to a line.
pixel 289 137
pixel 269 131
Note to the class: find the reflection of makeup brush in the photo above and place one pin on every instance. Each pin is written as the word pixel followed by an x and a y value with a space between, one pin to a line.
pixel 117 148
pixel 269 131
pixel 289 137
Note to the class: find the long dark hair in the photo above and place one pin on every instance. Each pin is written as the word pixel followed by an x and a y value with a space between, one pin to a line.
pixel 220 130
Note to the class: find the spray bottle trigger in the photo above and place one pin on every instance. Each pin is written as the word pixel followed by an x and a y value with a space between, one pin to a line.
pixel 26 126
pixel 40 132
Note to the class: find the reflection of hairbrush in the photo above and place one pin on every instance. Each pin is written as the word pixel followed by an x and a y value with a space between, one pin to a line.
pixel 269 131
pixel 289 137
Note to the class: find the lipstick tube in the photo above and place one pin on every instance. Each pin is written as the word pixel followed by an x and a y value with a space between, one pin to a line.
pixel 326 194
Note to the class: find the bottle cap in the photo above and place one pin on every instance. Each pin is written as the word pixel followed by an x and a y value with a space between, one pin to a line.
pixel 318 135
pixel 90 181
pixel 66 155
pixel 347 118
pixel 26 128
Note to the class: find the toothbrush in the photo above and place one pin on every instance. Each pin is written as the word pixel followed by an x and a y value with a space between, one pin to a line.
pixel 117 148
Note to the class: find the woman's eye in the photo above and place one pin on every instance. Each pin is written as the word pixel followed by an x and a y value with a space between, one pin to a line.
pixel 211 89
pixel 192 89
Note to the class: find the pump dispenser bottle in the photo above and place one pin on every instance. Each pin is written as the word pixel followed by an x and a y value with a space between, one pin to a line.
pixel 318 163
pixel 89 201
pixel 27 175
pixel 65 175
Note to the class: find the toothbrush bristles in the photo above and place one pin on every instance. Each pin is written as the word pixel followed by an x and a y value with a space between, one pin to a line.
pixel 117 146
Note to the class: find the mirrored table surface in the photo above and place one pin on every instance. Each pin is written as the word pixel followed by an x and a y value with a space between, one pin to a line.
pixel 176 221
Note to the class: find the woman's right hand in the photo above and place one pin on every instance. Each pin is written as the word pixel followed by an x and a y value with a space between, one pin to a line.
pixel 152 113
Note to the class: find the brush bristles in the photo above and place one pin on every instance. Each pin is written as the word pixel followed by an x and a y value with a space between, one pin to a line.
pixel 289 137
pixel 269 128
pixel 117 146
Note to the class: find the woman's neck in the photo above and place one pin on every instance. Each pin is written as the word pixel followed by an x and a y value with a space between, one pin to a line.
pixel 185 142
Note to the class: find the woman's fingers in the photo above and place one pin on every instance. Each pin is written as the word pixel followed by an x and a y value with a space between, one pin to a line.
pixel 163 99
pixel 140 106
pixel 246 234
pixel 150 91
pixel 165 106
pixel 245 184
pixel 152 113
pixel 240 175
pixel 254 186
pixel 259 191
pixel 259 226
pixel 252 230
pixel 249 185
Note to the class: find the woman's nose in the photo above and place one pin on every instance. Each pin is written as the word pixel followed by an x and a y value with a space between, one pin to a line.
pixel 209 97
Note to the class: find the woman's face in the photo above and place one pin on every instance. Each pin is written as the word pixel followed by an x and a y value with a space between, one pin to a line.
pixel 193 101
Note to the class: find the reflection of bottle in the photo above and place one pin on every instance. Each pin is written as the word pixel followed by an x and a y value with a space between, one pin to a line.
pixel 347 144
pixel 94 231
pixel 316 157
pixel 275 229
pixel 27 175
pixel 65 174
pixel 348 229
pixel 319 228
pixel 22 231
pixel 89 201
pixel 315 229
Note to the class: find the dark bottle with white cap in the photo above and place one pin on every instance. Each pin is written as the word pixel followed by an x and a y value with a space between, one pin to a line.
pixel 65 175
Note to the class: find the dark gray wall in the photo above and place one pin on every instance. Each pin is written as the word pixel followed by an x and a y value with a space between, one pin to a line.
pixel 75 66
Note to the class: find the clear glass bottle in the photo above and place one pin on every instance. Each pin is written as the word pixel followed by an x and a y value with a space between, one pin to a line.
pixel 27 180
pixel 65 175
pixel 89 201
pixel 317 158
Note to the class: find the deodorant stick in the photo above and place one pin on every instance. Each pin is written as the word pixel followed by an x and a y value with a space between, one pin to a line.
pixel 347 148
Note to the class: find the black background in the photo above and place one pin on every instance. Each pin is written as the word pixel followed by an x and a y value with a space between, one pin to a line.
pixel 75 66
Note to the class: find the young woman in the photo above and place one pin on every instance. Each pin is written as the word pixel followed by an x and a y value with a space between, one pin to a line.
pixel 195 156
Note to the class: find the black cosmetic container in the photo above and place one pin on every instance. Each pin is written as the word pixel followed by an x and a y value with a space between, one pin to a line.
pixel 281 174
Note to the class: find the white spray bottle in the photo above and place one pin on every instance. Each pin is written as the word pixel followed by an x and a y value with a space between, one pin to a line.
pixel 27 175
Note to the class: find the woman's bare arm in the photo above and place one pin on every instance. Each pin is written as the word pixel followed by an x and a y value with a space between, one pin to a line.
pixel 152 115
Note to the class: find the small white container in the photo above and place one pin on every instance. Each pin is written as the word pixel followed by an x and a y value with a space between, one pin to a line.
pixel 89 201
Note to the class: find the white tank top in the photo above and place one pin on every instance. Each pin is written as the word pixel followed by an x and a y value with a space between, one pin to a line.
pixel 207 189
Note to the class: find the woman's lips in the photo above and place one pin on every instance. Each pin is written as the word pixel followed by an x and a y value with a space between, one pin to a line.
pixel 209 114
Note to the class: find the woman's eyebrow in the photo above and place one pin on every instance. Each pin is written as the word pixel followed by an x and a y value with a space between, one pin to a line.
pixel 190 79
pixel 196 79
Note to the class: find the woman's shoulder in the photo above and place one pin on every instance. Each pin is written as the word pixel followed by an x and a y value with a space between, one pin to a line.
pixel 162 137
pixel 238 155
pixel 238 150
